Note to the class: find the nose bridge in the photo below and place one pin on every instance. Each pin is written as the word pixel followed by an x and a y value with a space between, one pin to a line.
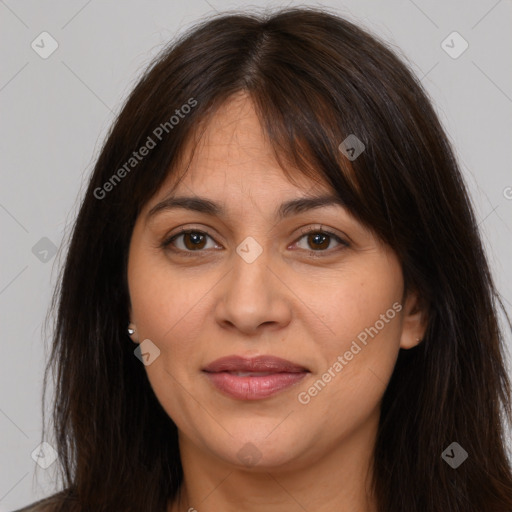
pixel 251 270
pixel 252 294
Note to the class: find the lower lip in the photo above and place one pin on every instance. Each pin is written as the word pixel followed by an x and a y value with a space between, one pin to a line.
pixel 253 388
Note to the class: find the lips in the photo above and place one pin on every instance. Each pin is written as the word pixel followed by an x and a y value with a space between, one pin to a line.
pixel 253 378
pixel 268 364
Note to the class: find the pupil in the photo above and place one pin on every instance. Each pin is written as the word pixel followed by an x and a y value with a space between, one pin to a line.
pixel 195 239
pixel 319 239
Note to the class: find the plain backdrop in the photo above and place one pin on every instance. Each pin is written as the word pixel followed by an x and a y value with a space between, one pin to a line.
pixel 55 112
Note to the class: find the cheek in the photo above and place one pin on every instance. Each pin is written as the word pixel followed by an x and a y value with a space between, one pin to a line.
pixel 169 307
pixel 359 303
pixel 348 389
pixel 167 312
pixel 158 297
pixel 363 314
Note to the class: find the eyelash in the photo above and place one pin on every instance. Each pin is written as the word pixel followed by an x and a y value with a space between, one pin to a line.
pixel 167 242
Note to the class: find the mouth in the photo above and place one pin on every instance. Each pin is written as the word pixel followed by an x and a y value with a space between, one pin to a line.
pixel 253 378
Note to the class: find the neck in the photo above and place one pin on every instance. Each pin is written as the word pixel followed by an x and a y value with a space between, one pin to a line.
pixel 338 481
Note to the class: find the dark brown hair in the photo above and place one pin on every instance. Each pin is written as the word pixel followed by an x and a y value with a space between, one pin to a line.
pixel 315 78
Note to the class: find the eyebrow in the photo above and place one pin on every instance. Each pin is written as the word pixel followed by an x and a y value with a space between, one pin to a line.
pixel 204 205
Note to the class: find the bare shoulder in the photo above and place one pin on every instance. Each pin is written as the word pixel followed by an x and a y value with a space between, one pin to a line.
pixel 38 506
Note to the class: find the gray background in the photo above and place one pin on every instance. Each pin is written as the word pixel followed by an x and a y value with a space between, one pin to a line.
pixel 55 113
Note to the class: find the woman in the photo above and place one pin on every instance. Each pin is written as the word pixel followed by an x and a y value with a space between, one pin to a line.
pixel 275 296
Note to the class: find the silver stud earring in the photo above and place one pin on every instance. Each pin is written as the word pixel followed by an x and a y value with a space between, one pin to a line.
pixel 131 329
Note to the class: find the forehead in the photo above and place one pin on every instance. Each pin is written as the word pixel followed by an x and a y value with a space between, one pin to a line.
pixel 230 155
pixel 228 169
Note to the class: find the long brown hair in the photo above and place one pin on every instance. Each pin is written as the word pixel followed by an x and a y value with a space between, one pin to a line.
pixel 315 79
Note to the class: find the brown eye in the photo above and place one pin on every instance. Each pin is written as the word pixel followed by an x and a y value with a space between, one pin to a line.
pixel 194 240
pixel 319 241
pixel 188 241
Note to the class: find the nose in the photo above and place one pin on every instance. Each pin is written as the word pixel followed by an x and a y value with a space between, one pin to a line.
pixel 253 296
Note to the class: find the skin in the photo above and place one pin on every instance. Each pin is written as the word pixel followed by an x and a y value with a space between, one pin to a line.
pixel 289 303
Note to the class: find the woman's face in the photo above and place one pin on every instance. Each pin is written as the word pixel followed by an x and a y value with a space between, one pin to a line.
pixel 250 284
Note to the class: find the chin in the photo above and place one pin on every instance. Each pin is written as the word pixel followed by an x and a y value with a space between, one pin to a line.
pixel 259 446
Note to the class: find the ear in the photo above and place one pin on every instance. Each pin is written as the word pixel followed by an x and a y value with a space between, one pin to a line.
pixel 414 321
pixel 132 333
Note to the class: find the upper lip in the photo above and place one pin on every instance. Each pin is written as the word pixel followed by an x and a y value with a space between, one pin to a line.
pixel 254 364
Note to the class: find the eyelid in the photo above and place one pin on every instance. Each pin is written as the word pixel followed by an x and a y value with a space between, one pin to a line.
pixel 341 239
pixel 328 231
pixel 168 239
